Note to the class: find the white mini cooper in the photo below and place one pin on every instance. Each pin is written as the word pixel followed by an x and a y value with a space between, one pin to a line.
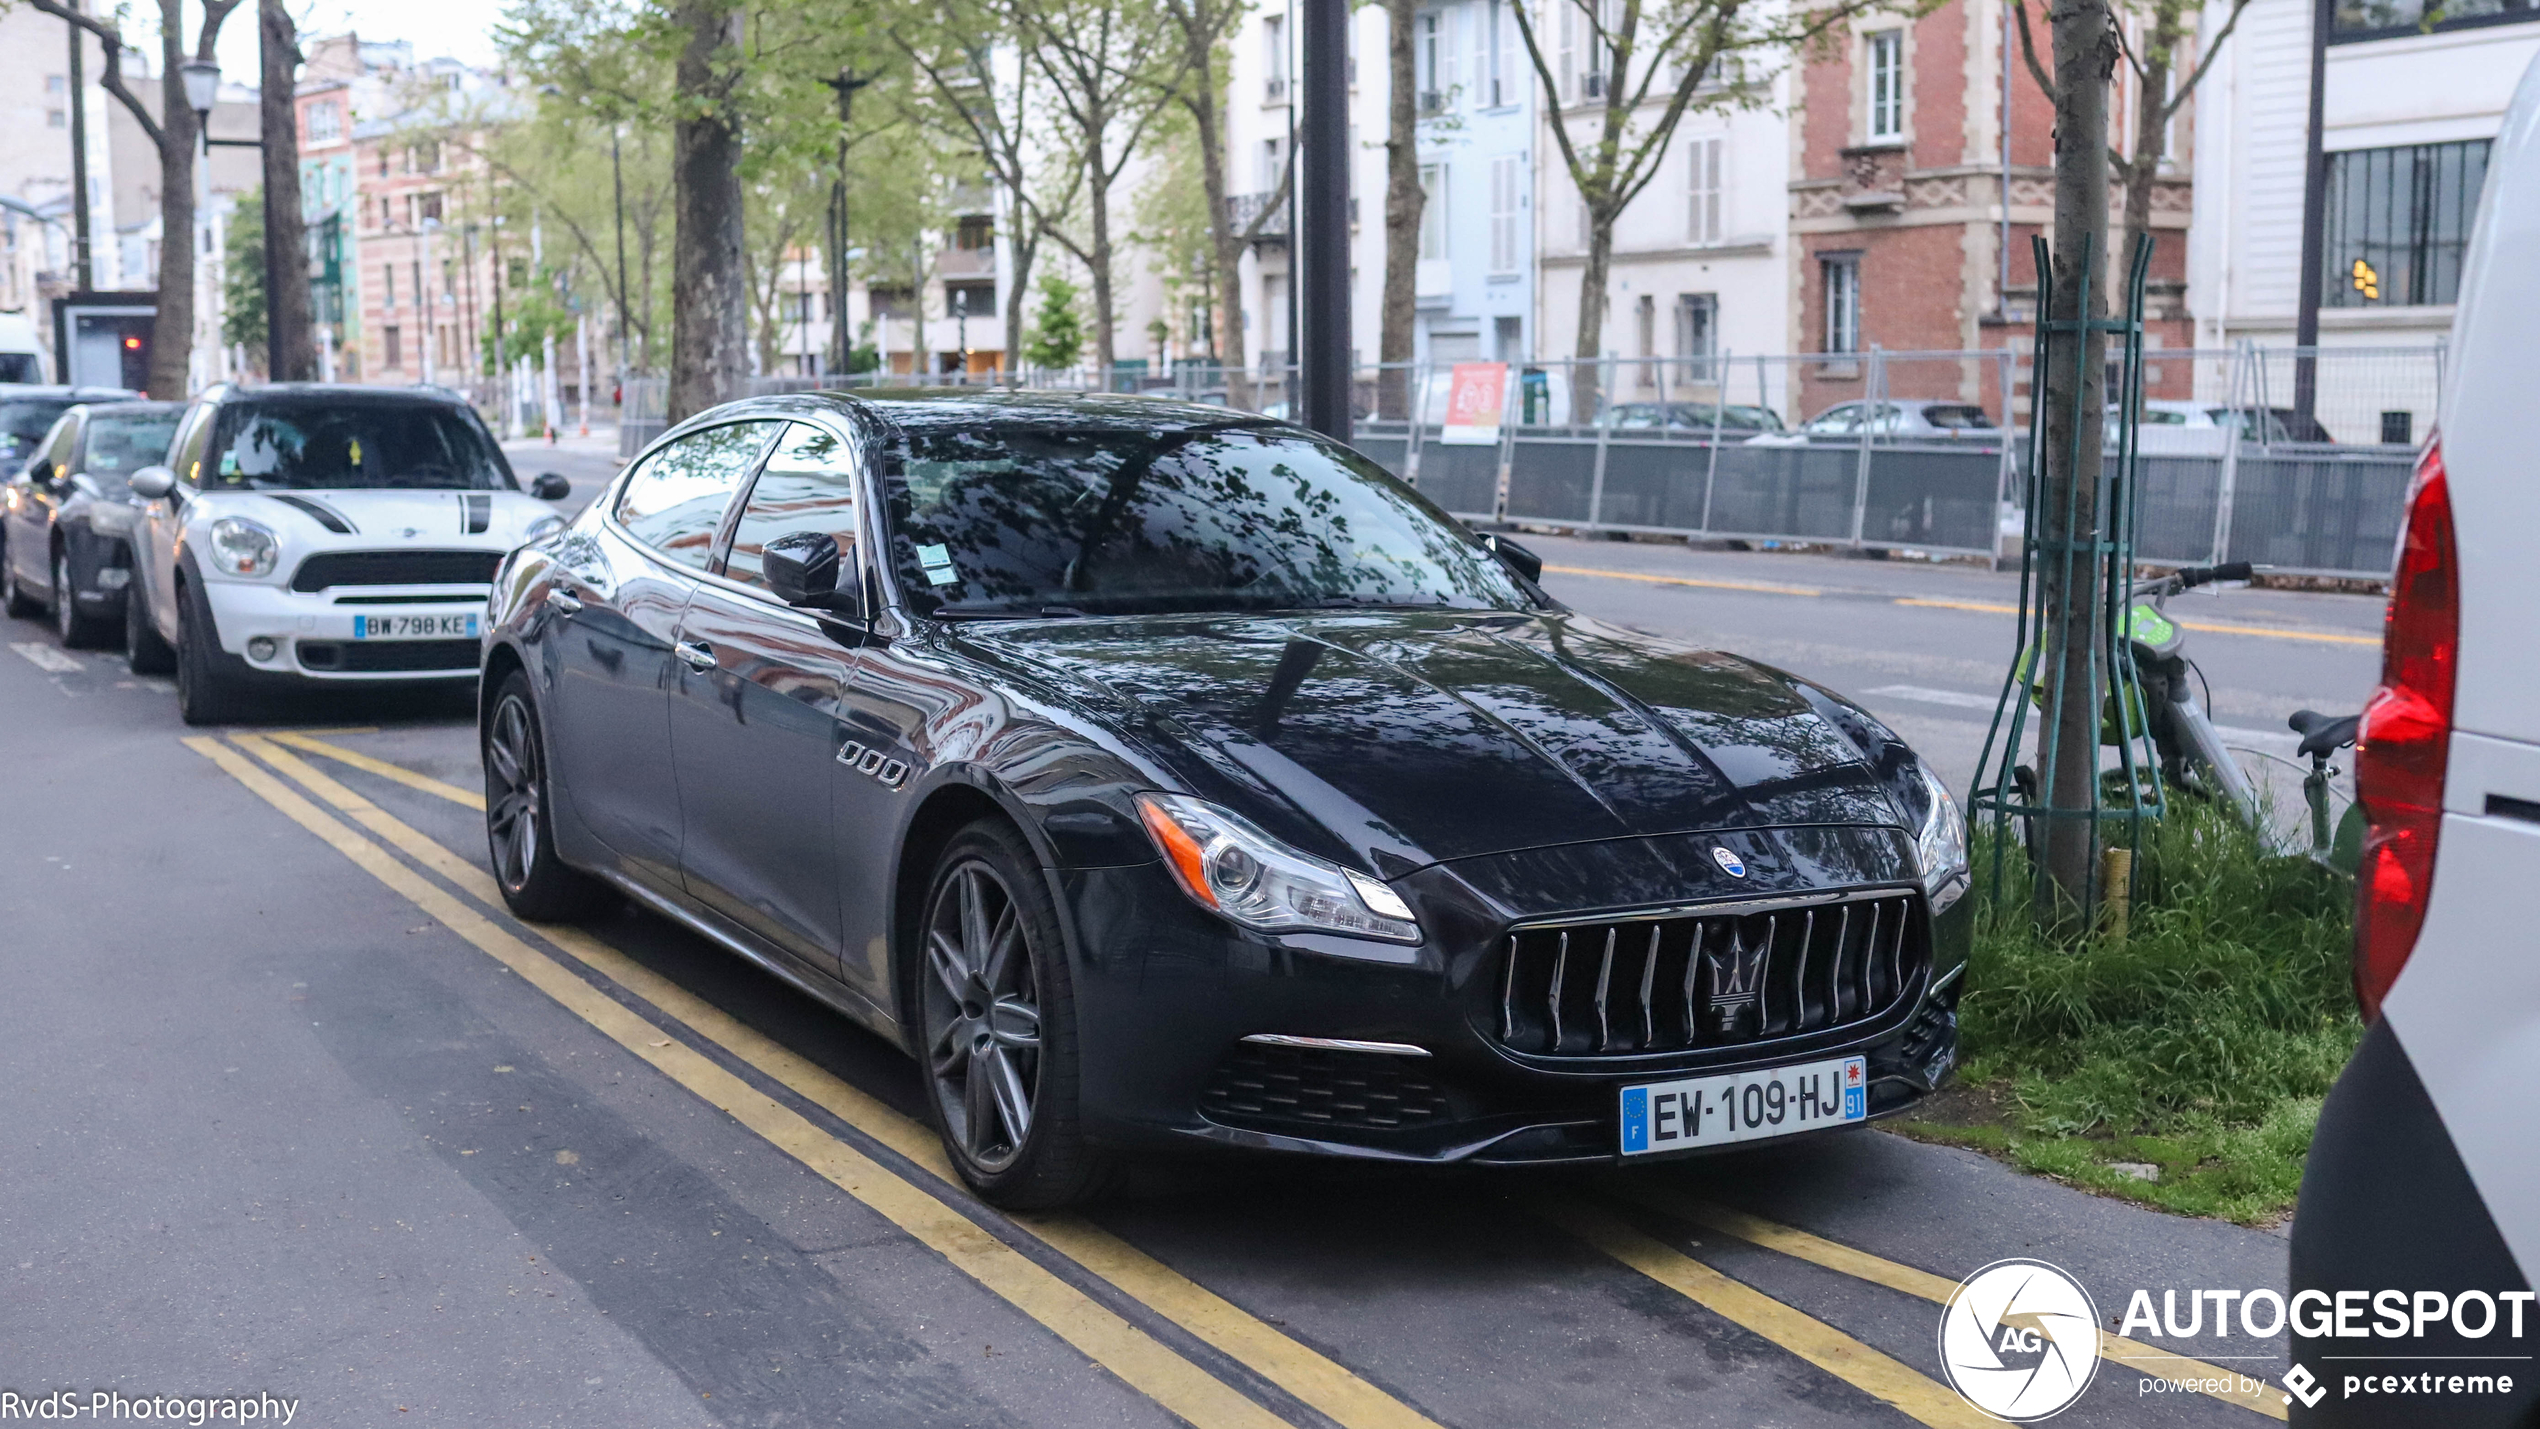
pixel 316 534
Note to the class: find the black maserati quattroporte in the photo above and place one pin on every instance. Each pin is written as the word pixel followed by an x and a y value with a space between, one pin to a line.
pixel 1160 775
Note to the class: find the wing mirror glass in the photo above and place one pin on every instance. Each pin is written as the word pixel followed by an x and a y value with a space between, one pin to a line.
pixel 152 482
pixel 803 569
pixel 550 486
pixel 1524 562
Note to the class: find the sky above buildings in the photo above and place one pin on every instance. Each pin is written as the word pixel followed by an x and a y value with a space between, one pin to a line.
pixel 459 29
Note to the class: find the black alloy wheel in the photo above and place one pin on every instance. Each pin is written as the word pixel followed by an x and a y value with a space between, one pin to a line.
pixel 78 631
pixel 536 884
pixel 13 597
pixel 997 1012
pixel 143 650
pixel 205 694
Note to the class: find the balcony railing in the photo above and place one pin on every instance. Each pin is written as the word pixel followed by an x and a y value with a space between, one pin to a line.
pixel 1241 209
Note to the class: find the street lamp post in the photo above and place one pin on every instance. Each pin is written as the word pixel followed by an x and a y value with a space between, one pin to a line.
pixel 846 84
pixel 202 91
pixel 1322 247
pixel 617 178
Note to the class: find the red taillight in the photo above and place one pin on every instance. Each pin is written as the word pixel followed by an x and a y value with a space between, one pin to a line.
pixel 2407 733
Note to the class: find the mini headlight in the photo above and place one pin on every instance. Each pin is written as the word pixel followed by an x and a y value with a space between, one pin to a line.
pixel 1940 847
pixel 542 528
pixel 1228 866
pixel 242 548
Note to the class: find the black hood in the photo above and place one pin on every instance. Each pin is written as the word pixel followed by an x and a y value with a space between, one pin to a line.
pixel 1414 738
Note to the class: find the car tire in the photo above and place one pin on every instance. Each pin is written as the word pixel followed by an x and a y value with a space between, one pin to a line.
pixel 205 693
pixel 78 631
pixel 143 649
pixel 13 597
pixel 519 820
pixel 996 1014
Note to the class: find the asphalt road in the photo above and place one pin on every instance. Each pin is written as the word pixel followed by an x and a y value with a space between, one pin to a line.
pixel 293 1106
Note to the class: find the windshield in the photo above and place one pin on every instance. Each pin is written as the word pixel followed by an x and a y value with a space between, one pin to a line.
pixel 23 424
pixel 1030 519
pixel 288 444
pixel 120 446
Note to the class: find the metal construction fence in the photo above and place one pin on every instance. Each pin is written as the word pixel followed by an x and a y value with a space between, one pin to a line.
pixel 2294 459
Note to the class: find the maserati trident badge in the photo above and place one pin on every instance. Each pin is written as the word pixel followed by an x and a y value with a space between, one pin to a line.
pixel 1735 866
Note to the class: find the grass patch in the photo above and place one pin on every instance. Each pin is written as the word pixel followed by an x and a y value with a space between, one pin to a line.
pixel 2201 1045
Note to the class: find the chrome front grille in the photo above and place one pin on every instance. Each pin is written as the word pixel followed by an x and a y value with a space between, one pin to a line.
pixel 1695 979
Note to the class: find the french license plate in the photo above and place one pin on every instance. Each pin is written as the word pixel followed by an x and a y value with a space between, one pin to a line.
pixel 1743 1106
pixel 414 627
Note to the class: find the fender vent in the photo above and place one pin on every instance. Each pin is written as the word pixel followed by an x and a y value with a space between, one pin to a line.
pixel 478 513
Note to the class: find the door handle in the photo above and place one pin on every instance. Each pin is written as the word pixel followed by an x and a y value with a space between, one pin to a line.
pixel 565 601
pixel 696 654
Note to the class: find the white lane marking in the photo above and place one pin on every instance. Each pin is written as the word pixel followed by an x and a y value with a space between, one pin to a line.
pixel 45 657
pixel 1961 700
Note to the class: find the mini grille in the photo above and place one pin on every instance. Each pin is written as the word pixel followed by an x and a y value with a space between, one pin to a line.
pixel 1674 984
pixel 342 568
pixel 1302 1087
pixel 382 657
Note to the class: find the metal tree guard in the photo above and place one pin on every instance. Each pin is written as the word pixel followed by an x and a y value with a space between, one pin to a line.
pixel 2132 792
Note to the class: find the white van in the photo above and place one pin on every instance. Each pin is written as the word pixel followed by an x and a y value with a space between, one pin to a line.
pixel 21 355
pixel 2424 1176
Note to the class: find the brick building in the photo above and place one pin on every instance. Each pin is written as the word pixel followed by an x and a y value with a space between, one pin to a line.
pixel 1898 201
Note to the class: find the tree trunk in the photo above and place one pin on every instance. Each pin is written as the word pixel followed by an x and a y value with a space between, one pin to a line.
pixel 2075 417
pixel 2150 147
pixel 291 355
pixel 1226 240
pixel 1026 251
pixel 1586 375
pixel 1099 252
pixel 709 327
pixel 172 331
pixel 1404 201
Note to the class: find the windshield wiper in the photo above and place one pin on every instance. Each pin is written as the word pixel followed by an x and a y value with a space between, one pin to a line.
pixel 1005 612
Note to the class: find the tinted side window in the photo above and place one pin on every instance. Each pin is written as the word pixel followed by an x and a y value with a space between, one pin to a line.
pixel 808 485
pixel 675 504
pixel 188 452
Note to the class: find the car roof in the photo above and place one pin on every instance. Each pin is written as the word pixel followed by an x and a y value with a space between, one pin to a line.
pixel 940 408
pixel 49 392
pixel 131 409
pixel 356 391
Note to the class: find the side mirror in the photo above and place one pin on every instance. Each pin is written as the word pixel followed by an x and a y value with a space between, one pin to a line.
pixel 152 482
pixel 803 567
pixel 550 486
pixel 1524 562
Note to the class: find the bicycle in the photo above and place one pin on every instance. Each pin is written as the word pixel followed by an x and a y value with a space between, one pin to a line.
pixel 2192 756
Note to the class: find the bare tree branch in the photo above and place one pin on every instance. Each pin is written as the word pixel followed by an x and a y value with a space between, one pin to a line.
pixel 2028 50
pixel 2179 92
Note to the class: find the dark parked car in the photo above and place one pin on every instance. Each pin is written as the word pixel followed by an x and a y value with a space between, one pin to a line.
pixel 1694 417
pixel 68 516
pixel 1163 776
pixel 28 411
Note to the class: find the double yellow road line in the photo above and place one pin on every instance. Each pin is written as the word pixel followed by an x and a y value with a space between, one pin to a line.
pixel 2211 627
pixel 1155 1368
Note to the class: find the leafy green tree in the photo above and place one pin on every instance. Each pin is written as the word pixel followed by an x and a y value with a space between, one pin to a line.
pixel 1058 325
pixel 242 322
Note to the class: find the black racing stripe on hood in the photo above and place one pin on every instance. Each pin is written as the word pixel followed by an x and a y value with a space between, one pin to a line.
pixel 318 511
pixel 479 512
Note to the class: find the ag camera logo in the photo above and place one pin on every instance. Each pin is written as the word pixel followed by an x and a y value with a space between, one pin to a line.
pixel 2019 1340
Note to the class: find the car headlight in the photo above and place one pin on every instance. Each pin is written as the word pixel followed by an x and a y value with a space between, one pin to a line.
pixel 542 528
pixel 1940 846
pixel 1227 866
pixel 242 548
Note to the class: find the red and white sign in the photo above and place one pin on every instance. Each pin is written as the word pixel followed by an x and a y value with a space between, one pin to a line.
pixel 1475 396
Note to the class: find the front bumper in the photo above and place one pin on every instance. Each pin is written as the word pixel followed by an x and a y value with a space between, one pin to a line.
pixel 1166 995
pixel 314 636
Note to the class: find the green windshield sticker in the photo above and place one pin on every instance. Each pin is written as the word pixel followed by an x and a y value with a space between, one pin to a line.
pixel 938 563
